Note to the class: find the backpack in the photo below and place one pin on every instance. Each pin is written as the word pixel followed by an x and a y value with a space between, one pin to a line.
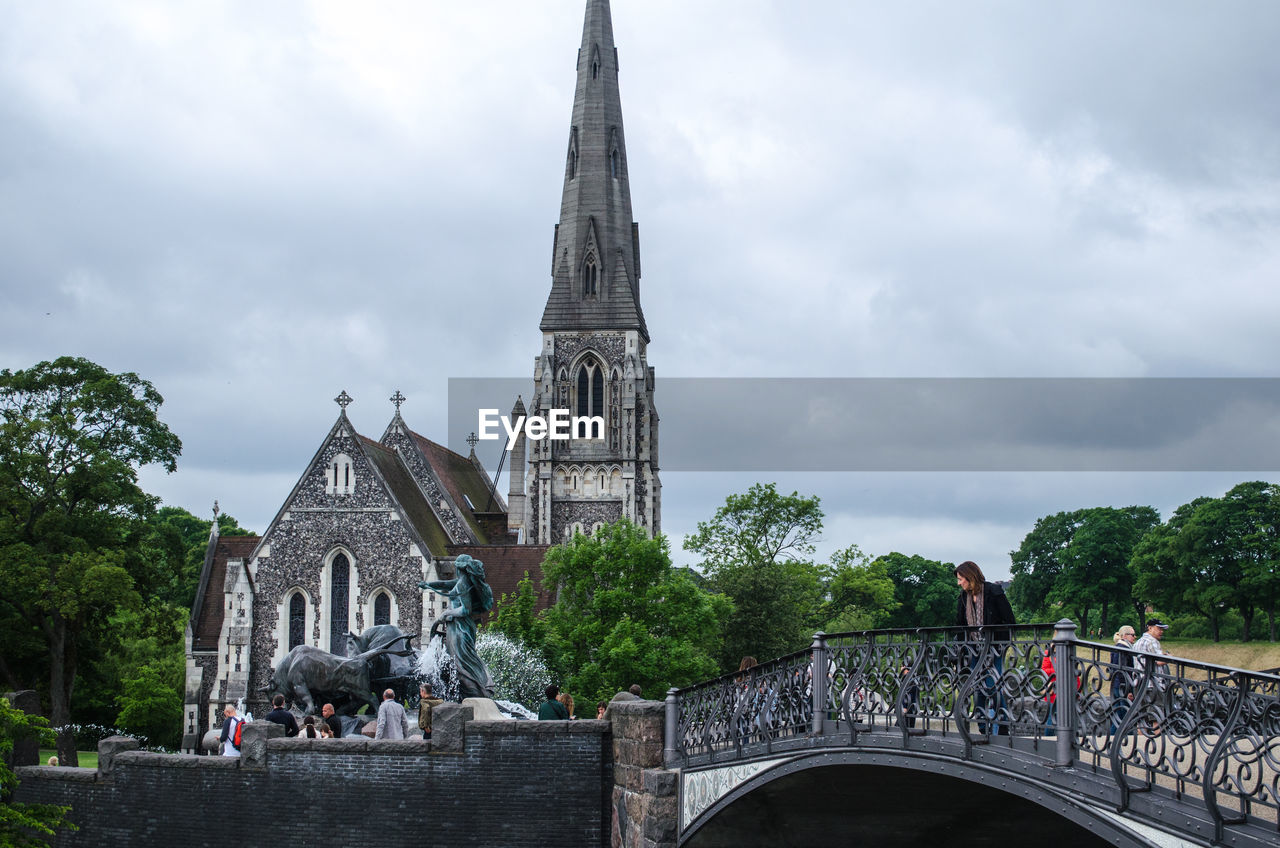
pixel 235 734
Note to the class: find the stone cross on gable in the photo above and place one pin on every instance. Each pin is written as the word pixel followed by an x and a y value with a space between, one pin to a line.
pixel 398 399
pixel 344 400
pixel 473 440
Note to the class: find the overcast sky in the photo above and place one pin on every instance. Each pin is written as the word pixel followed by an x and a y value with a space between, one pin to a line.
pixel 256 206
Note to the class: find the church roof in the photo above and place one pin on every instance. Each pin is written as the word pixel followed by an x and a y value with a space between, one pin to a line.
pixel 468 486
pixel 406 491
pixel 596 230
pixel 206 618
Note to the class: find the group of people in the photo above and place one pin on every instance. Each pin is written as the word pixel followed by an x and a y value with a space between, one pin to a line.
pixel 558 705
pixel 392 722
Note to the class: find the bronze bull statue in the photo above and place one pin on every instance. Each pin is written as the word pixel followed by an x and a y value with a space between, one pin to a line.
pixel 308 676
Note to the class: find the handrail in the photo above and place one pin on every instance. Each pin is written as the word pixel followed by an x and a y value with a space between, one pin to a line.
pixel 1163 720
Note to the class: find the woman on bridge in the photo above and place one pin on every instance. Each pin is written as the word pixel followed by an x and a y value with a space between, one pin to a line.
pixel 980 604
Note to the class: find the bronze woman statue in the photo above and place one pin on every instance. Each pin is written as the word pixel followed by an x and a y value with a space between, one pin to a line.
pixel 469 595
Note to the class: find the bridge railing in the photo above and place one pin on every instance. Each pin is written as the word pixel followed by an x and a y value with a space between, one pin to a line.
pixel 1206 732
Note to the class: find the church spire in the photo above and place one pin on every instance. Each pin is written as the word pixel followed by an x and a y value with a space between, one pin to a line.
pixel 595 266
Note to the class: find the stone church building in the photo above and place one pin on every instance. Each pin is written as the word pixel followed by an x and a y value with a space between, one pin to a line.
pixel 369 519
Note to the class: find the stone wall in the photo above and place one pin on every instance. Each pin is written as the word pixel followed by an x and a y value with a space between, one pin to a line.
pixel 511 783
pixel 645 795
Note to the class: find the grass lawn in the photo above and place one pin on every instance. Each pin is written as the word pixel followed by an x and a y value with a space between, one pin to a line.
pixel 1246 655
pixel 88 759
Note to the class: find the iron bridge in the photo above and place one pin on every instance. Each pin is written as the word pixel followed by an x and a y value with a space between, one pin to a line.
pixel 1142 751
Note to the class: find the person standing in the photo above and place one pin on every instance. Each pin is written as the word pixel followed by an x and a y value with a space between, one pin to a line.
pixel 228 736
pixel 551 709
pixel 1149 643
pixel 426 704
pixel 982 603
pixel 283 717
pixel 1121 661
pixel 393 723
pixel 567 699
pixel 331 719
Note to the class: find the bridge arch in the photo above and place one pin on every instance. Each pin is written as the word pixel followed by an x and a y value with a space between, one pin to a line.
pixel 904 799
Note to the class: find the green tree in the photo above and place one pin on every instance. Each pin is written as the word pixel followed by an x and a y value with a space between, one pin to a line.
pixel 624 615
pixel 861 593
pixel 1261 543
pixel 924 589
pixel 1079 561
pixel 72 516
pixel 1164 576
pixel 752 553
pixel 24 824
pixel 515 615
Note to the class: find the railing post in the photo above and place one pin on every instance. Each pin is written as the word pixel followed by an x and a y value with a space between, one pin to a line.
pixel 1064 669
pixel 669 751
pixel 818 681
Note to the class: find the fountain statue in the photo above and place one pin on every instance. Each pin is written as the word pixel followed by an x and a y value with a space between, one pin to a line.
pixel 469 595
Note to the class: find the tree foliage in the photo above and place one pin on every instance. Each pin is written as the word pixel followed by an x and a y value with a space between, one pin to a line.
pixel 73 526
pixel 24 824
pixel 623 615
pixel 1079 561
pixel 753 552
pixel 861 593
pixel 924 590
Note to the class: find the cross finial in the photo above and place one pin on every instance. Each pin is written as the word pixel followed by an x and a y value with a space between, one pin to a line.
pixel 344 400
pixel 473 440
pixel 398 399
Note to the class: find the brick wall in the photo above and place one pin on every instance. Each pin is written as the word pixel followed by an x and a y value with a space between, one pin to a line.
pixel 513 783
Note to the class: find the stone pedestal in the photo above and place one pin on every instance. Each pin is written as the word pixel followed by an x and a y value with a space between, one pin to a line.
pixel 644 793
pixel 108 749
pixel 253 748
pixel 448 723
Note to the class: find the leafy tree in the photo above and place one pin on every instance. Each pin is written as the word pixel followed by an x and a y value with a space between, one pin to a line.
pixel 72 516
pixel 751 552
pixel 624 615
pixel 152 706
pixel 861 592
pixel 1261 544
pixel 24 824
pixel 515 616
pixel 1164 576
pixel 1080 561
pixel 924 590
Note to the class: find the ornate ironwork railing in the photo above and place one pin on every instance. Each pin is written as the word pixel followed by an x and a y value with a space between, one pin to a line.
pixel 1209 734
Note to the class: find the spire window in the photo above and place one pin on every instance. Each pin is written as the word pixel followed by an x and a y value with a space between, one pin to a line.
pixel 590 276
pixel 595 62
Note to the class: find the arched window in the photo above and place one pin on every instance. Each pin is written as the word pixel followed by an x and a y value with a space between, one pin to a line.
pixel 613 163
pixel 297 620
pixel 595 62
pixel 590 276
pixel 573 164
pixel 382 608
pixel 590 389
pixel 339 593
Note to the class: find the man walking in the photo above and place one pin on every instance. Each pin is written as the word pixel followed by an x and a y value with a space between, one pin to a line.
pixel 228 737
pixel 392 721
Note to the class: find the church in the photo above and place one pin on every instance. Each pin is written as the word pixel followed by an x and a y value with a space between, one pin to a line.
pixel 370 519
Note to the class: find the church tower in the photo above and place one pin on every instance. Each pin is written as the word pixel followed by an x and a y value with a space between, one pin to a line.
pixel 594 353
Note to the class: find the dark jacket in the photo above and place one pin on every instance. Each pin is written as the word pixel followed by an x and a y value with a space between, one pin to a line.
pixel 995 609
pixel 282 716
pixel 553 710
pixel 334 725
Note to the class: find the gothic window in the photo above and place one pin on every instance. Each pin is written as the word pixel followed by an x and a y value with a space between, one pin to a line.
pixel 595 62
pixel 613 164
pixel 601 488
pixel 382 608
pixel 590 389
pixel 339 592
pixel 573 152
pixel 615 157
pixel 595 528
pixel 297 620
pixel 590 276
pixel 340 478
